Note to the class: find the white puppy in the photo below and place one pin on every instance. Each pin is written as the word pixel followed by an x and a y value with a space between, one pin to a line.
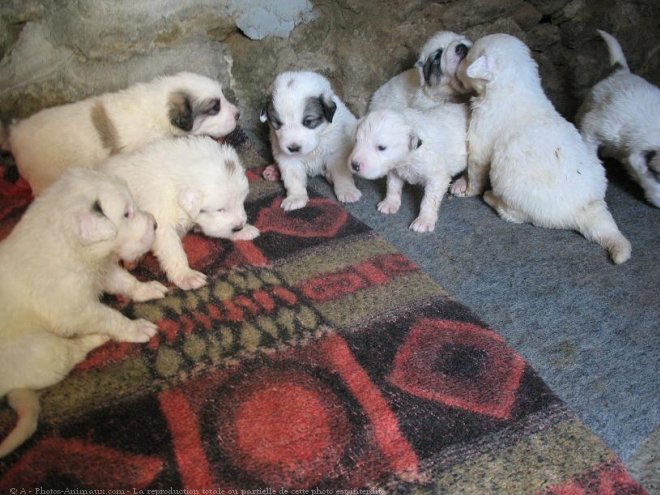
pixel 418 147
pixel 540 170
pixel 432 81
pixel 87 132
pixel 620 115
pixel 311 131
pixel 187 182
pixel 54 265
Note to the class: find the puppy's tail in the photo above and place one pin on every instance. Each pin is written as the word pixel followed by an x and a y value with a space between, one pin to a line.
pixel 26 404
pixel 617 58
pixel 596 224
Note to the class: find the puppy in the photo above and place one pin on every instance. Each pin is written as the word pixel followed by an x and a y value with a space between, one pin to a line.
pixel 54 265
pixel 418 147
pixel 620 115
pixel 432 81
pixel 89 131
pixel 310 133
pixel 539 167
pixel 187 182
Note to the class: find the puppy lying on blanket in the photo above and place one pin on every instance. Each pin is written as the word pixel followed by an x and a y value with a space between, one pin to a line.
pixel 186 182
pixel 54 265
pixel 311 131
pixel 414 146
pixel 621 116
pixel 85 133
pixel 432 81
pixel 539 167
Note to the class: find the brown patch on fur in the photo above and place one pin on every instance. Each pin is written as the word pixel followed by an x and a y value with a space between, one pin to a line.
pixel 105 128
pixel 180 111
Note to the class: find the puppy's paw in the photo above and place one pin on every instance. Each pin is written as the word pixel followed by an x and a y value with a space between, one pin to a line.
pixel 247 233
pixel 294 202
pixel 421 224
pixel 140 331
pixel 389 206
pixel 190 280
pixel 348 195
pixel 148 291
pixel 459 187
pixel 271 173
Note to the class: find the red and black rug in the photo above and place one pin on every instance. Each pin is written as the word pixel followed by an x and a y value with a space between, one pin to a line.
pixel 317 360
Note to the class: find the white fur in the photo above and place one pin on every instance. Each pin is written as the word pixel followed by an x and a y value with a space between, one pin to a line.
pixel 621 115
pixel 54 266
pixel 539 168
pixel 54 139
pixel 410 89
pixel 323 149
pixel 418 147
pixel 186 182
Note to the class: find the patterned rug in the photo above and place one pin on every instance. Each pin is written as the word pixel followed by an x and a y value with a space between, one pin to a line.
pixel 317 360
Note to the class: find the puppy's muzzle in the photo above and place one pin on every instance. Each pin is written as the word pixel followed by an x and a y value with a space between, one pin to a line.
pixel 238 228
pixel 293 148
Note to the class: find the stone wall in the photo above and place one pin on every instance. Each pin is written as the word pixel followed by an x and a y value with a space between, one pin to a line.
pixel 55 51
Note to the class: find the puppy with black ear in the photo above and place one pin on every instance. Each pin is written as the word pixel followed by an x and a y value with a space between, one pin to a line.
pixel 187 182
pixel 621 116
pixel 54 265
pixel 432 81
pixel 425 147
pixel 311 132
pixel 87 132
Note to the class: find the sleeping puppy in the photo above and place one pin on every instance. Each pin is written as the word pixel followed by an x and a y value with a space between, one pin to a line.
pixel 432 81
pixel 187 182
pixel 89 131
pixel 620 115
pixel 310 133
pixel 539 167
pixel 414 146
pixel 54 265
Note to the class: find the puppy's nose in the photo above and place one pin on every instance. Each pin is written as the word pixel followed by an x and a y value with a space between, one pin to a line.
pixel 461 50
pixel 293 148
pixel 355 166
pixel 238 228
pixel 155 225
pixel 237 116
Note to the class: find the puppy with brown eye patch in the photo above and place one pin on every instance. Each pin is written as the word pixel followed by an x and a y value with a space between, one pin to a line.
pixel 187 183
pixel 54 266
pixel 311 132
pixel 87 132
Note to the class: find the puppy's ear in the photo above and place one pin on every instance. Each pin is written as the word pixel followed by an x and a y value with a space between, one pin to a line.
pixel 191 201
pixel 482 68
pixel 328 106
pixel 92 226
pixel 414 141
pixel 181 111
pixel 263 116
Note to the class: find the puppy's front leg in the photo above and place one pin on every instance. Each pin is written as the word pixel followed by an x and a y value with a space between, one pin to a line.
pixel 392 200
pixel 119 281
pixel 428 212
pixel 173 260
pixel 294 177
pixel 97 318
pixel 342 179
